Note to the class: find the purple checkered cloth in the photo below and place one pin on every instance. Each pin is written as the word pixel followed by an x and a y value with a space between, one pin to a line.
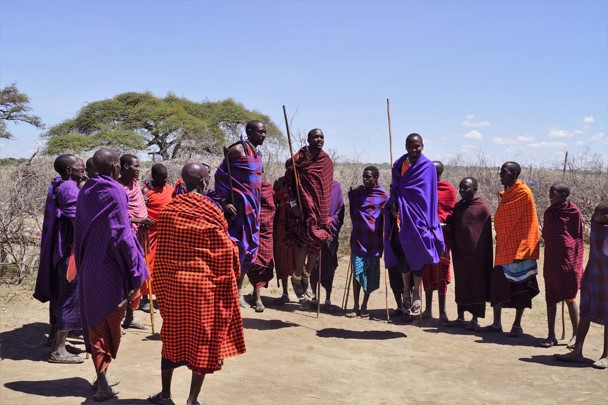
pixel 594 287
pixel 109 259
pixel 366 207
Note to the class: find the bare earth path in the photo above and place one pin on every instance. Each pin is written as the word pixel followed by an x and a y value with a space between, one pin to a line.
pixel 292 357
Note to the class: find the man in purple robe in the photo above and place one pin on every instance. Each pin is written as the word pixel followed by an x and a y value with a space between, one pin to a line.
pixel 413 235
pixel 238 185
pixel 329 250
pixel 55 251
pixel 110 263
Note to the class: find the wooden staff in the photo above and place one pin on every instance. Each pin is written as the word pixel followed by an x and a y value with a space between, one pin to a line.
pixel 229 175
pixel 319 285
pixel 564 321
pixel 349 282
pixel 348 275
pixel 295 170
pixel 390 146
pixel 149 280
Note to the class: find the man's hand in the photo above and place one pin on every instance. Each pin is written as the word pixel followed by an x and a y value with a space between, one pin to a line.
pixel 229 208
pixel 145 223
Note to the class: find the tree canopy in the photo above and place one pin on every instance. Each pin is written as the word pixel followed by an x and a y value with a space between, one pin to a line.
pixel 170 127
pixel 14 106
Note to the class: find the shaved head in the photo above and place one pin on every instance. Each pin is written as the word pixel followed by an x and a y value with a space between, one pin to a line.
pixel 195 175
pixel 561 188
pixel 158 170
pixel 439 168
pixel 63 162
pixel 105 162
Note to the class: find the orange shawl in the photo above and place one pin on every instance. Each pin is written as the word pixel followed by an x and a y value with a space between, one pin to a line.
pixel 516 225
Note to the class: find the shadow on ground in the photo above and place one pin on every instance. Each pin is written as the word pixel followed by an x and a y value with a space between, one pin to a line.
pixel 65 387
pixel 25 343
pixel 549 360
pixel 363 334
pixel 491 338
pixel 266 324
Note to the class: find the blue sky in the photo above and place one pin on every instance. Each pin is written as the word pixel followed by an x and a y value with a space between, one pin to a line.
pixel 512 80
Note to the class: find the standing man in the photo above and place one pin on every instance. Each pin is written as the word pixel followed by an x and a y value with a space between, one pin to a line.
pixel 366 204
pixel 329 251
pixel 563 265
pixel 110 264
pixel 471 232
pixel 413 236
pixel 437 276
pixel 308 225
pixel 55 250
pixel 239 176
pixel 157 194
pixel 284 256
pixel 514 282
pixel 140 222
pixel 197 296
pixel 262 270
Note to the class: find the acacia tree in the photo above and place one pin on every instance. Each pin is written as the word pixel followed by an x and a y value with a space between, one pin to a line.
pixel 170 127
pixel 14 106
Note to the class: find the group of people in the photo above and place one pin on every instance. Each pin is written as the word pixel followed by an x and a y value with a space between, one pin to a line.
pixel 108 243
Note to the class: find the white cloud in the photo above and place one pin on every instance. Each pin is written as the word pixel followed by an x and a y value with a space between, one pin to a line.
pixel 556 132
pixel 579 132
pixel 588 120
pixel 473 135
pixel 504 141
pixel 470 123
pixel 548 145
pixel 599 137
pixel 525 138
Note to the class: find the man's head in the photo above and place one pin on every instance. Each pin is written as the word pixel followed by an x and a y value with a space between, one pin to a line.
pixel 509 173
pixel 558 193
pixel 600 214
pixel 107 163
pixel 316 139
pixel 90 169
pixel 256 132
pixel 439 168
pixel 159 174
pixel 69 167
pixel 288 163
pixel 78 173
pixel 414 146
pixel 196 177
pixel 370 176
pixel 467 188
pixel 129 166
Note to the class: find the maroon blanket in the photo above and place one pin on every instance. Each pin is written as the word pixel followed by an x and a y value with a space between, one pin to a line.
pixel 564 245
pixel 262 270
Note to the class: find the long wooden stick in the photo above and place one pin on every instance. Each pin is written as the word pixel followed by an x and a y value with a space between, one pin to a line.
pixel 348 283
pixel 348 275
pixel 319 284
pixel 295 170
pixel 564 321
pixel 229 174
pixel 149 281
pixel 390 146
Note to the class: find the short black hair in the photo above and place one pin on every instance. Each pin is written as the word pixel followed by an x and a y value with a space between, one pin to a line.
pixel 251 125
pixel 473 180
pixel 127 159
pixel 561 188
pixel 516 167
pixel 412 136
pixel 158 169
pixel 63 162
pixel 374 170
pixel 602 208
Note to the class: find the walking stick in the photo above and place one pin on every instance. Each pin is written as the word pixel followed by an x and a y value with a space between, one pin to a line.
pixel 564 322
pixel 349 282
pixel 348 275
pixel 319 284
pixel 295 170
pixel 390 145
pixel 229 175
pixel 149 281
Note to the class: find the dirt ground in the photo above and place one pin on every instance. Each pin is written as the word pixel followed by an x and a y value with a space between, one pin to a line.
pixel 293 357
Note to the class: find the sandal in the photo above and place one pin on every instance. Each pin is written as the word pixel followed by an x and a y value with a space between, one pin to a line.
pixel 259 307
pixel 54 358
pixel 159 400
pixel 572 343
pixel 364 313
pixel 100 397
pixel 549 342
pixel 352 314
pixel 112 382
pixel 416 307
pixel 601 364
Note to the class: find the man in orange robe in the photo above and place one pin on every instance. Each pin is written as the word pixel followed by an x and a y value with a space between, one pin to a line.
pixel 514 282
pixel 157 194
pixel 197 265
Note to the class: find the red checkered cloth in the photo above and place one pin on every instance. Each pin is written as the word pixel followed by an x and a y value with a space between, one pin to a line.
pixel 262 270
pixel 195 283
pixel 437 276
pixel 284 258
pixel 315 177
pixel 564 246
pixel 104 339
pixel 594 287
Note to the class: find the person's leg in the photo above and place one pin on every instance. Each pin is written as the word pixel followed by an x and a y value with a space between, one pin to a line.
pixel 428 303
pixel 398 300
pixel 259 305
pixel 166 376
pixel 417 293
pixel 364 304
pixel 573 312
pixel 356 295
pixel 576 355
pixel 285 287
pixel 129 321
pixel 497 309
pixel 443 316
pixel 195 388
pixel 551 314
pixel 519 313
pixel 407 299
pixel 242 301
pixel 59 353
